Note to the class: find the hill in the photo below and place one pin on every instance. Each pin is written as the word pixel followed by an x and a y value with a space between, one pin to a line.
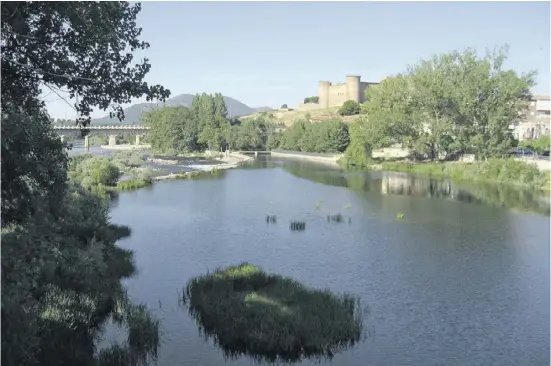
pixel 288 117
pixel 133 113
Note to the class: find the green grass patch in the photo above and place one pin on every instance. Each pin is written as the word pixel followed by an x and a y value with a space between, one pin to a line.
pixel 132 184
pixel 493 170
pixel 271 318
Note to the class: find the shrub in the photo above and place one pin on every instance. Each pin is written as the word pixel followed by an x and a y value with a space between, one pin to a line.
pixel 132 184
pixel 350 108
pixel 499 170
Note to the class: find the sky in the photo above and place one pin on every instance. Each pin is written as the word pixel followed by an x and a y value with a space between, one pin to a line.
pixel 274 53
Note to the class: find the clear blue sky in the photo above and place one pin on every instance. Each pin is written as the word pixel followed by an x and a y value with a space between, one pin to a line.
pixel 270 53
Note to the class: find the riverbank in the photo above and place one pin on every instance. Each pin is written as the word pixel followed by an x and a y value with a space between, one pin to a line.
pixel 126 147
pixel 503 171
pixel 331 159
pixel 232 160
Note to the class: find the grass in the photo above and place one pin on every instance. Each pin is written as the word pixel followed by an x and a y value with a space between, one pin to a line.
pixel 132 184
pixel 270 317
pixel 493 170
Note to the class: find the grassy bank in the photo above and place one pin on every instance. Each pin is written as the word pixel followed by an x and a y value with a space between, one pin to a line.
pixel 269 317
pixel 508 171
pixel 134 183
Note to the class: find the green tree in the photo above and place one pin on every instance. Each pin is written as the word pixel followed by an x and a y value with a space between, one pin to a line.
pixel 61 271
pixel 284 106
pixel 350 108
pixel 451 104
pixel 220 109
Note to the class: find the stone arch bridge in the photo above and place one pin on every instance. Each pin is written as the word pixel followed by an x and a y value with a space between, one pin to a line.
pixel 111 131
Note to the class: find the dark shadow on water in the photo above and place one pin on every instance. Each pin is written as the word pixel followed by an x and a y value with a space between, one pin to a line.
pixel 270 318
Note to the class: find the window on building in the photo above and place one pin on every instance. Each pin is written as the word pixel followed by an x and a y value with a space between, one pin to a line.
pixel 544 113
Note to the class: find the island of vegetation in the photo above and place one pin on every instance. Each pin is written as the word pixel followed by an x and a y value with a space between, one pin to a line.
pixel 271 318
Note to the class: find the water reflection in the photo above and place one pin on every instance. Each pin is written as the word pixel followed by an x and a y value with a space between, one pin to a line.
pixel 393 183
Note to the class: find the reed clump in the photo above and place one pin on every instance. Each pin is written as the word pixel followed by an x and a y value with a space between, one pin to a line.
pixel 297 226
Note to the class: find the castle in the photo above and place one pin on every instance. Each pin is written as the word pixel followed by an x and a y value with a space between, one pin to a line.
pixel 335 95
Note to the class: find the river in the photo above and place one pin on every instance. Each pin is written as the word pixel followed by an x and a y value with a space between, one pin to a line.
pixel 459 280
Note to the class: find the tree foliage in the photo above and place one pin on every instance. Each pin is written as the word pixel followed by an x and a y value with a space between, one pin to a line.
pixel 61 269
pixel 177 130
pixel 449 105
pixel 311 100
pixel 350 108
pixel 326 136
pixel 82 48
pixel 539 145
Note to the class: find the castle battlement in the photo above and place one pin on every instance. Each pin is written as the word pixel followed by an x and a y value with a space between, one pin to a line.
pixel 334 95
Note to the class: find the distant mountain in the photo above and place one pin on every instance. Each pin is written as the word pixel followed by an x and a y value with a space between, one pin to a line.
pixel 132 114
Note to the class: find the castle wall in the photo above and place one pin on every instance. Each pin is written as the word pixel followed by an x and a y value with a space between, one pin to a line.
pixel 338 94
pixel 335 95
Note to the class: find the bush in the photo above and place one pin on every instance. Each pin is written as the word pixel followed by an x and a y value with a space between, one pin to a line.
pixel 540 145
pixel 323 137
pixel 132 184
pixel 269 317
pixel 350 108
pixel 311 100
pixel 498 170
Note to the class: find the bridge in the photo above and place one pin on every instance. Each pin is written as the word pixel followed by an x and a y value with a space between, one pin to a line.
pixel 65 129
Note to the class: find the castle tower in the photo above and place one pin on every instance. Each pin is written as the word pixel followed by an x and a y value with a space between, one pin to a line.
pixel 323 93
pixel 353 87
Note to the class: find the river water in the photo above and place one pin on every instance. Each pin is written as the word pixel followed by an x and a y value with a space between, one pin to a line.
pixel 461 279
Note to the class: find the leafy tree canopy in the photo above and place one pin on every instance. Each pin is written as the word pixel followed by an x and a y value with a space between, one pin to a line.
pixel 451 104
pixel 350 108
pixel 83 48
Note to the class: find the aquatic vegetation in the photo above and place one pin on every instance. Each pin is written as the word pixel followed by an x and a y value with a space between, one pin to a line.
pixel 132 184
pixel 348 205
pixel 271 219
pixel 249 312
pixel 297 226
pixel 399 215
pixel 338 218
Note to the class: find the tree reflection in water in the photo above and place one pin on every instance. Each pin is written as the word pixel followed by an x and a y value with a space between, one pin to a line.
pixel 394 183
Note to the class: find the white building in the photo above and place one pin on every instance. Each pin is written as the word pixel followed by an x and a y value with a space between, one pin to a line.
pixel 537 121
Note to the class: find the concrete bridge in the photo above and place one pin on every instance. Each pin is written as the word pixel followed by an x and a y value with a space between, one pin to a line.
pixel 139 129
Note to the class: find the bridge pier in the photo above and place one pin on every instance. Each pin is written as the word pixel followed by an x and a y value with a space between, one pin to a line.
pixel 256 153
pixel 86 142
pixel 137 140
pixel 112 140
pixel 62 137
